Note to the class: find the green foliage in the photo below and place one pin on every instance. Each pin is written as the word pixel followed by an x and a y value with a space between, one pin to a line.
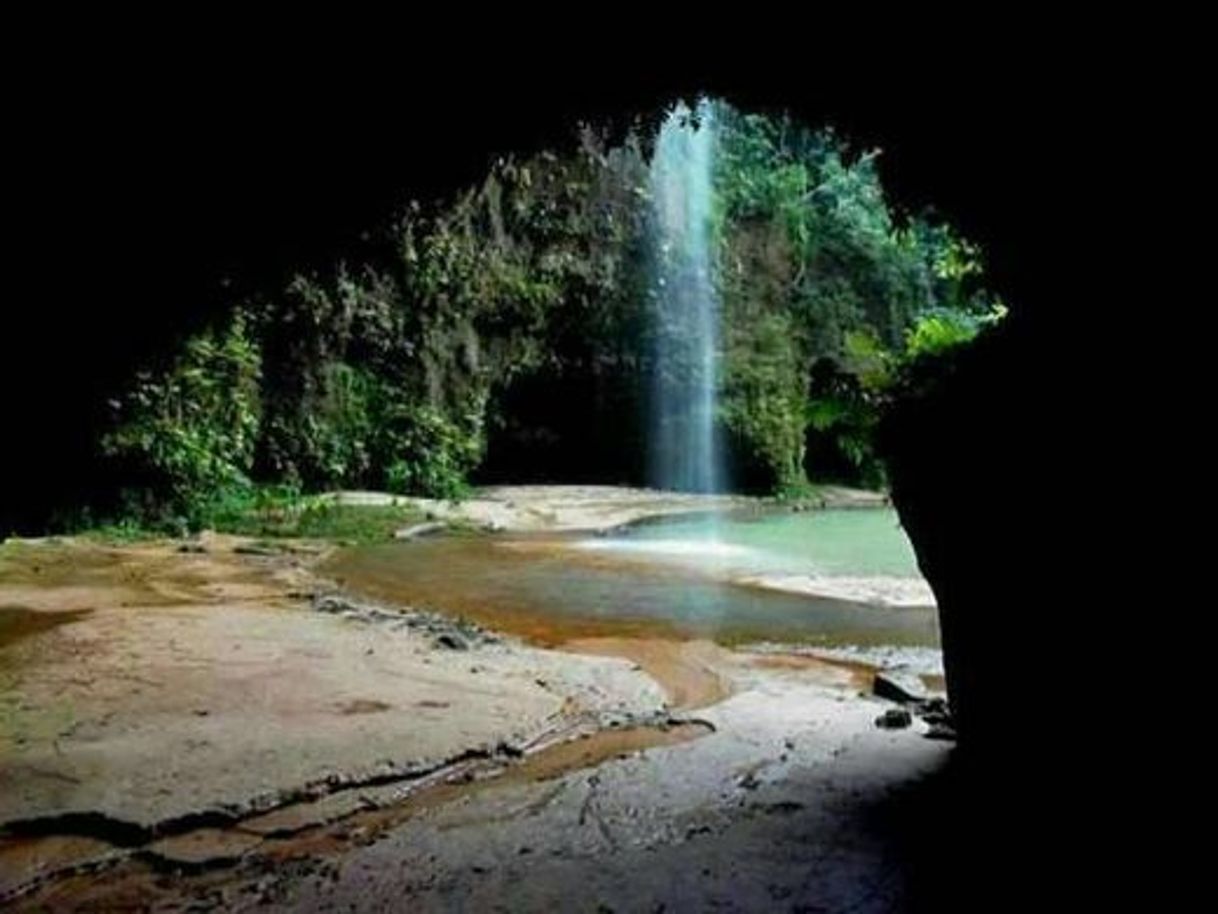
pixel 762 401
pixel 255 510
pixel 318 422
pixel 282 511
pixel 937 331
pixel 430 452
pixel 392 373
pixel 353 523
pixel 934 333
pixel 189 431
pixel 842 417
pixel 385 377
pixel 810 245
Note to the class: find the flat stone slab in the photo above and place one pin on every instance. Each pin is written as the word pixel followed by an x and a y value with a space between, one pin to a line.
pixel 152 712
pixel 774 811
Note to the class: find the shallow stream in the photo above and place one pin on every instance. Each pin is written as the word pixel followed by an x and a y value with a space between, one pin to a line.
pixel 682 577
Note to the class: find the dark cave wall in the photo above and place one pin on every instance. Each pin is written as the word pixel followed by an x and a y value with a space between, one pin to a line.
pixel 992 459
pixel 964 474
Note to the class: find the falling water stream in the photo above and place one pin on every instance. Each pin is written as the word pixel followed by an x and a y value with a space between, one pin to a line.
pixel 687 577
pixel 685 448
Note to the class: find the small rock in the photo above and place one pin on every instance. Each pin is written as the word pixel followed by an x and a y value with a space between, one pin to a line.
pixel 941 731
pixel 899 686
pixel 783 807
pixel 939 717
pixel 328 604
pixel 936 705
pixel 936 717
pixel 894 719
pixel 503 747
pixel 451 642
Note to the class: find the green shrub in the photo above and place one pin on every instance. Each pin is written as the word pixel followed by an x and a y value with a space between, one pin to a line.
pixel 937 331
pixel 427 452
pixel 827 292
pixel 187 432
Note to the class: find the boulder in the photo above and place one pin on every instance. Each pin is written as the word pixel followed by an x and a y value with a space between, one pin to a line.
pixel 899 686
pixel 894 719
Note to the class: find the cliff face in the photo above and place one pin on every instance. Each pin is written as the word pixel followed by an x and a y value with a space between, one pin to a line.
pixel 989 471
pixel 965 486
pixel 147 214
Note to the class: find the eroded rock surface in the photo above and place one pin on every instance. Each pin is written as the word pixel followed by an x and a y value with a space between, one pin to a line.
pixel 146 709
pixel 230 719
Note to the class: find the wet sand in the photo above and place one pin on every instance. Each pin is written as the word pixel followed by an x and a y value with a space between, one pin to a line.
pixel 691 673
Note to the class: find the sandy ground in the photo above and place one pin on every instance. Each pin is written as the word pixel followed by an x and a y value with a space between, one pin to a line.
pixel 591 508
pixel 877 590
pixel 217 730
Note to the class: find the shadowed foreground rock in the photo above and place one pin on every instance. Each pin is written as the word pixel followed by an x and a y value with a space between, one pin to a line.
pixel 1056 791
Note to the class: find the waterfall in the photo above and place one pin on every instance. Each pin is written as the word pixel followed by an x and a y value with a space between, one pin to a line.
pixel 685 447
